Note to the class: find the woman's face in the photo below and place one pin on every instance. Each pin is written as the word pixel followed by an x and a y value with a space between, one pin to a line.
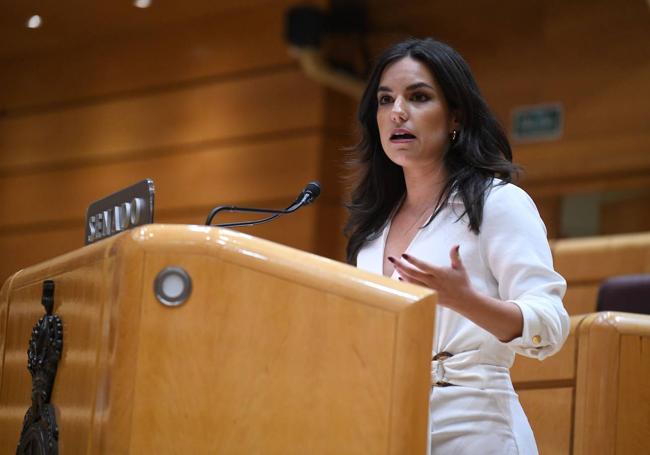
pixel 412 115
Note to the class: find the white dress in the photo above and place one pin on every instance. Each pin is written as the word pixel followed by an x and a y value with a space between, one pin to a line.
pixel 510 260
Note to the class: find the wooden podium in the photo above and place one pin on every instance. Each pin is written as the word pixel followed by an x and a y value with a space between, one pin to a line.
pixel 275 351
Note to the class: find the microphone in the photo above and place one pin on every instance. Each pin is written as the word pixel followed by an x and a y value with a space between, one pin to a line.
pixel 306 197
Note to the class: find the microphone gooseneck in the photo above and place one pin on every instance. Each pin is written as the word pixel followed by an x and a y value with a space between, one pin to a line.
pixel 306 197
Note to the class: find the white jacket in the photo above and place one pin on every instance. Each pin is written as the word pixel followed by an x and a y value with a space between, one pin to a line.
pixel 510 260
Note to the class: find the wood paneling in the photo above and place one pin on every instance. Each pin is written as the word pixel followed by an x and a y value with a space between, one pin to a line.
pixel 597 74
pixel 613 348
pixel 260 351
pixel 595 410
pixel 268 170
pixel 586 262
pixel 550 413
pixel 550 209
pixel 616 153
pixel 633 423
pixel 593 396
pixel 145 58
pixel 626 215
pixel 76 23
pixel 546 392
pixel 207 102
pixel 23 249
pixel 338 137
pixel 331 242
pixel 4 294
pixel 124 128
pixel 560 367
pixel 594 258
pixel 267 335
pixel 580 298
pixel 82 314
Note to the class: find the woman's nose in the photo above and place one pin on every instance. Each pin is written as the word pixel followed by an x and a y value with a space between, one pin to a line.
pixel 398 113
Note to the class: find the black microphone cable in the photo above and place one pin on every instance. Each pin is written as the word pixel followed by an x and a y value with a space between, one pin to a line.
pixel 306 197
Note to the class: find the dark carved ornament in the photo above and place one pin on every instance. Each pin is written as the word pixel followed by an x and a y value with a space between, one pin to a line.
pixel 40 434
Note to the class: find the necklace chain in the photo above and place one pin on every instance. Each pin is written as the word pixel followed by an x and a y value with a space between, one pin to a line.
pixel 417 219
pixel 406 234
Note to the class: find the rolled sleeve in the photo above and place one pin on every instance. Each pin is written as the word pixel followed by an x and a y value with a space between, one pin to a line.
pixel 515 248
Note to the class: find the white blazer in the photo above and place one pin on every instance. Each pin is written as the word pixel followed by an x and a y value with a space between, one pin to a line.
pixel 510 260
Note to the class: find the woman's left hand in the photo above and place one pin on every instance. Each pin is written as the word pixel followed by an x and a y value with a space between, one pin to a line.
pixel 503 319
pixel 451 283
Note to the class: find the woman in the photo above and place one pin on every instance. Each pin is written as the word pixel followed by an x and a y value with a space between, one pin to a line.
pixel 433 205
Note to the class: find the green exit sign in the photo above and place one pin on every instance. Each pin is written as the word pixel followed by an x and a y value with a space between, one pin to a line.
pixel 537 123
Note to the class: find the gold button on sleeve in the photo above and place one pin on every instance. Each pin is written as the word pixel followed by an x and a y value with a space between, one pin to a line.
pixel 537 339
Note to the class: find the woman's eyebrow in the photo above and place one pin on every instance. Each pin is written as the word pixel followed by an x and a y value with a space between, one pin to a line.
pixel 417 85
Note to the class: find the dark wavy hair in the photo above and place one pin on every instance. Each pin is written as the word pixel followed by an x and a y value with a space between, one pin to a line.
pixel 480 152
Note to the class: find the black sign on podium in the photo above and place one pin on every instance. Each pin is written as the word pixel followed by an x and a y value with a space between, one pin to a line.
pixel 125 209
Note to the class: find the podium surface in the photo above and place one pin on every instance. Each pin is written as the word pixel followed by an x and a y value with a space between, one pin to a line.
pixel 275 350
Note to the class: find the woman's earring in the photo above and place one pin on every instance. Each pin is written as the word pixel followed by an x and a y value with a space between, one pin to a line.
pixel 454 134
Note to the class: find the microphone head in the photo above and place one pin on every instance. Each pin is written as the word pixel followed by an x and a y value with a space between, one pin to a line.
pixel 313 188
pixel 311 191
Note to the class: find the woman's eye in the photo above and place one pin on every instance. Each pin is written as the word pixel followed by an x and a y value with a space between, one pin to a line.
pixel 420 97
pixel 385 99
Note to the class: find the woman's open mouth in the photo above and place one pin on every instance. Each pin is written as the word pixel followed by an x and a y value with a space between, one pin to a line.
pixel 402 135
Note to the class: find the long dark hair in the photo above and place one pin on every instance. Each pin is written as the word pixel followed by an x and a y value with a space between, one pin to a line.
pixel 480 153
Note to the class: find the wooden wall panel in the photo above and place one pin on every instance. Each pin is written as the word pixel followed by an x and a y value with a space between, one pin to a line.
pixel 581 298
pixel 213 109
pixel 594 258
pixel 585 263
pixel 598 74
pixel 21 249
pixel 560 367
pixel 550 209
pixel 149 60
pixel 549 412
pixel 338 137
pixel 626 215
pixel 123 128
pixel 546 392
pixel 616 162
pixel 77 23
pixel 271 169
pixel 295 230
